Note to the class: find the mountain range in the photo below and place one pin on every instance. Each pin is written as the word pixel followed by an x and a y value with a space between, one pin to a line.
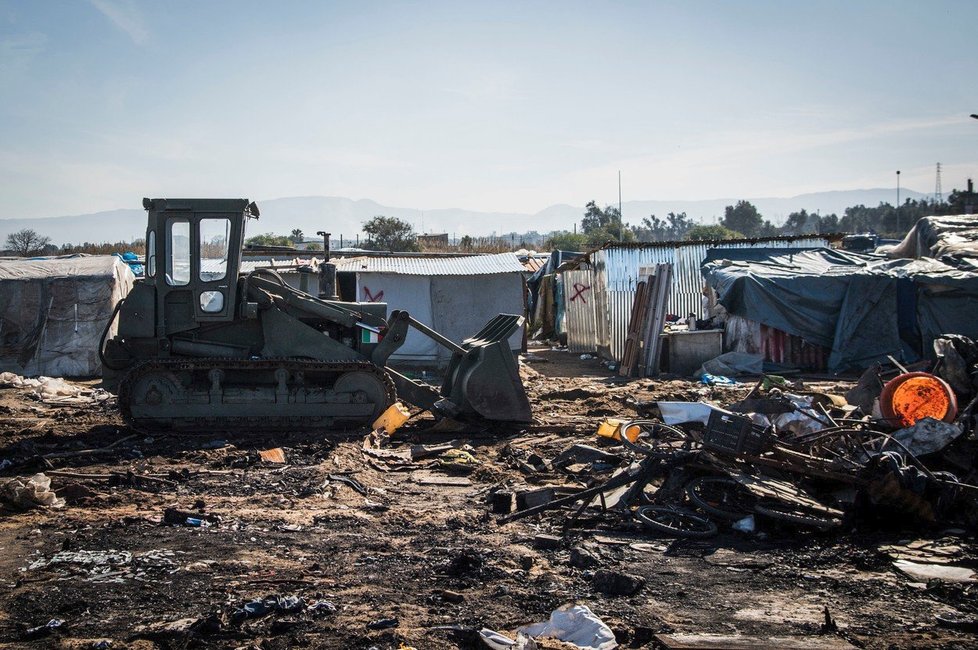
pixel 343 216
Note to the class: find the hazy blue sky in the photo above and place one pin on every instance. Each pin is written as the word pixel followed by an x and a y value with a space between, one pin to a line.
pixel 487 106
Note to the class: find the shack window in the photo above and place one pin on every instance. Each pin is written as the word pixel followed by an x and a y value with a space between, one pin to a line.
pixel 151 255
pixel 178 248
pixel 214 248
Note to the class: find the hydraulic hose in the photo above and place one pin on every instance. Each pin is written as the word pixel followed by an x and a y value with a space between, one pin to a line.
pixel 105 333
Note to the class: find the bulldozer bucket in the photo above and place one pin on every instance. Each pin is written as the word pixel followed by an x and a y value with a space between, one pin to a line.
pixel 486 379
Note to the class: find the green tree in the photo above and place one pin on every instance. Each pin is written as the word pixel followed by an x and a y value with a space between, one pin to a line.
pixel 601 226
pixel 962 201
pixel 743 218
pixel 828 223
pixel 390 234
pixel 673 228
pixel 268 239
pixel 712 233
pixel 567 241
pixel 466 243
pixel 27 242
pixel 297 236
pixel 595 218
pixel 799 223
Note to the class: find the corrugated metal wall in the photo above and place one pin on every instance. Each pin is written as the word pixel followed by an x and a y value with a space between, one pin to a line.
pixel 579 316
pixel 616 272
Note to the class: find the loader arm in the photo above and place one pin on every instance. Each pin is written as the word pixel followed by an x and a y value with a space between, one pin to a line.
pixel 482 377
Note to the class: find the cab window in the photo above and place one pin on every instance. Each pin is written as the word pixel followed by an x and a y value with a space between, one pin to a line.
pixel 178 252
pixel 214 248
pixel 151 254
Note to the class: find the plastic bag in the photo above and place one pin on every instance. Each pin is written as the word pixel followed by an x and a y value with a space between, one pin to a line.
pixel 29 493
pixel 573 624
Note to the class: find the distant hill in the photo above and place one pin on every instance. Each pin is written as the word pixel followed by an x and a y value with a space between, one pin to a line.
pixel 343 216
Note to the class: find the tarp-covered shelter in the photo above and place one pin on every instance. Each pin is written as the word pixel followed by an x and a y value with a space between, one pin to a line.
pixel 860 307
pixel 53 312
pixel 952 239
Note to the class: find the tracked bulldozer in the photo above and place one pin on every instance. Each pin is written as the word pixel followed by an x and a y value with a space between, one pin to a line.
pixel 202 346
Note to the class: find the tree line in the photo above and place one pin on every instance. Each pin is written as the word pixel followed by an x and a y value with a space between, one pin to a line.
pixel 597 227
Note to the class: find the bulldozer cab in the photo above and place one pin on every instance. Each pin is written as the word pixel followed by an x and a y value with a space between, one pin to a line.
pixel 193 256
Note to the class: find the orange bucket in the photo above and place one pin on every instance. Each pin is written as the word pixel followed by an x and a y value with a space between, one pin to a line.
pixel 913 396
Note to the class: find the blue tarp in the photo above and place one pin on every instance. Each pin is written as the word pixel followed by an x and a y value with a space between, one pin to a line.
pixel 132 260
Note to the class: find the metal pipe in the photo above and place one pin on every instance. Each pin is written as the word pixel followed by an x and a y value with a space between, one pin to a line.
pixel 325 235
pixel 432 334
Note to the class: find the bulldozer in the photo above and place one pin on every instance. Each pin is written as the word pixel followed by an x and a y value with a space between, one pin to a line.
pixel 200 345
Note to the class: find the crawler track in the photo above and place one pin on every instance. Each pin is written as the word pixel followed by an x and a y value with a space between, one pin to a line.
pixel 253 395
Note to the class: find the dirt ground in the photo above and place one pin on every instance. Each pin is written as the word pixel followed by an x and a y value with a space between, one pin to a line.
pixel 419 559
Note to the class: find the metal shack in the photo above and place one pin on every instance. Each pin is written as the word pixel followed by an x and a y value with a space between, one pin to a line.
pixel 598 295
pixel 456 296
pixel 53 312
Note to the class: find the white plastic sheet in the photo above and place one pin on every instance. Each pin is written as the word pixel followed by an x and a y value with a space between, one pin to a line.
pixel 53 389
pixel 679 412
pixel 573 624
pixel 30 493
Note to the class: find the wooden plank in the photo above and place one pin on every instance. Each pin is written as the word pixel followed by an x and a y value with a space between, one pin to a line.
pixel 745 642
pixel 630 355
pixel 424 477
pixel 655 318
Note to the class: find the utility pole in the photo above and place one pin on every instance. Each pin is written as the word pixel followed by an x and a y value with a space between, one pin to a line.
pixel 898 202
pixel 938 194
pixel 621 219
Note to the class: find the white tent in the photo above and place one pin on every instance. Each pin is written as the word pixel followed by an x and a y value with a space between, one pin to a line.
pixel 53 312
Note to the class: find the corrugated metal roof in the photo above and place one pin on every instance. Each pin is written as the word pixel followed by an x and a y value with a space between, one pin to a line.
pixel 467 265
pixel 472 265
pixel 282 266
pixel 534 263
pixel 722 243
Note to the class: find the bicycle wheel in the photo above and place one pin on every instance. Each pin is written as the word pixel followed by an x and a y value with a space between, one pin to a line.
pixel 848 447
pixel 791 514
pixel 721 497
pixel 677 522
pixel 655 438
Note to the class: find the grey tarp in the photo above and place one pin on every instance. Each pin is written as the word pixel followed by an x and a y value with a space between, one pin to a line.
pixel 952 239
pixel 53 311
pixel 860 307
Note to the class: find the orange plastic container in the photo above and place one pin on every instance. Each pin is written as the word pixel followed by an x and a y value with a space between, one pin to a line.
pixel 611 428
pixel 392 419
pixel 913 396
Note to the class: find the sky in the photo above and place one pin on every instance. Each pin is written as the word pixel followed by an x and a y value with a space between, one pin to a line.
pixel 494 106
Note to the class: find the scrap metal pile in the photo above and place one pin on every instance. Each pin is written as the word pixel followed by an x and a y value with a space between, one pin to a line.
pixel 895 451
